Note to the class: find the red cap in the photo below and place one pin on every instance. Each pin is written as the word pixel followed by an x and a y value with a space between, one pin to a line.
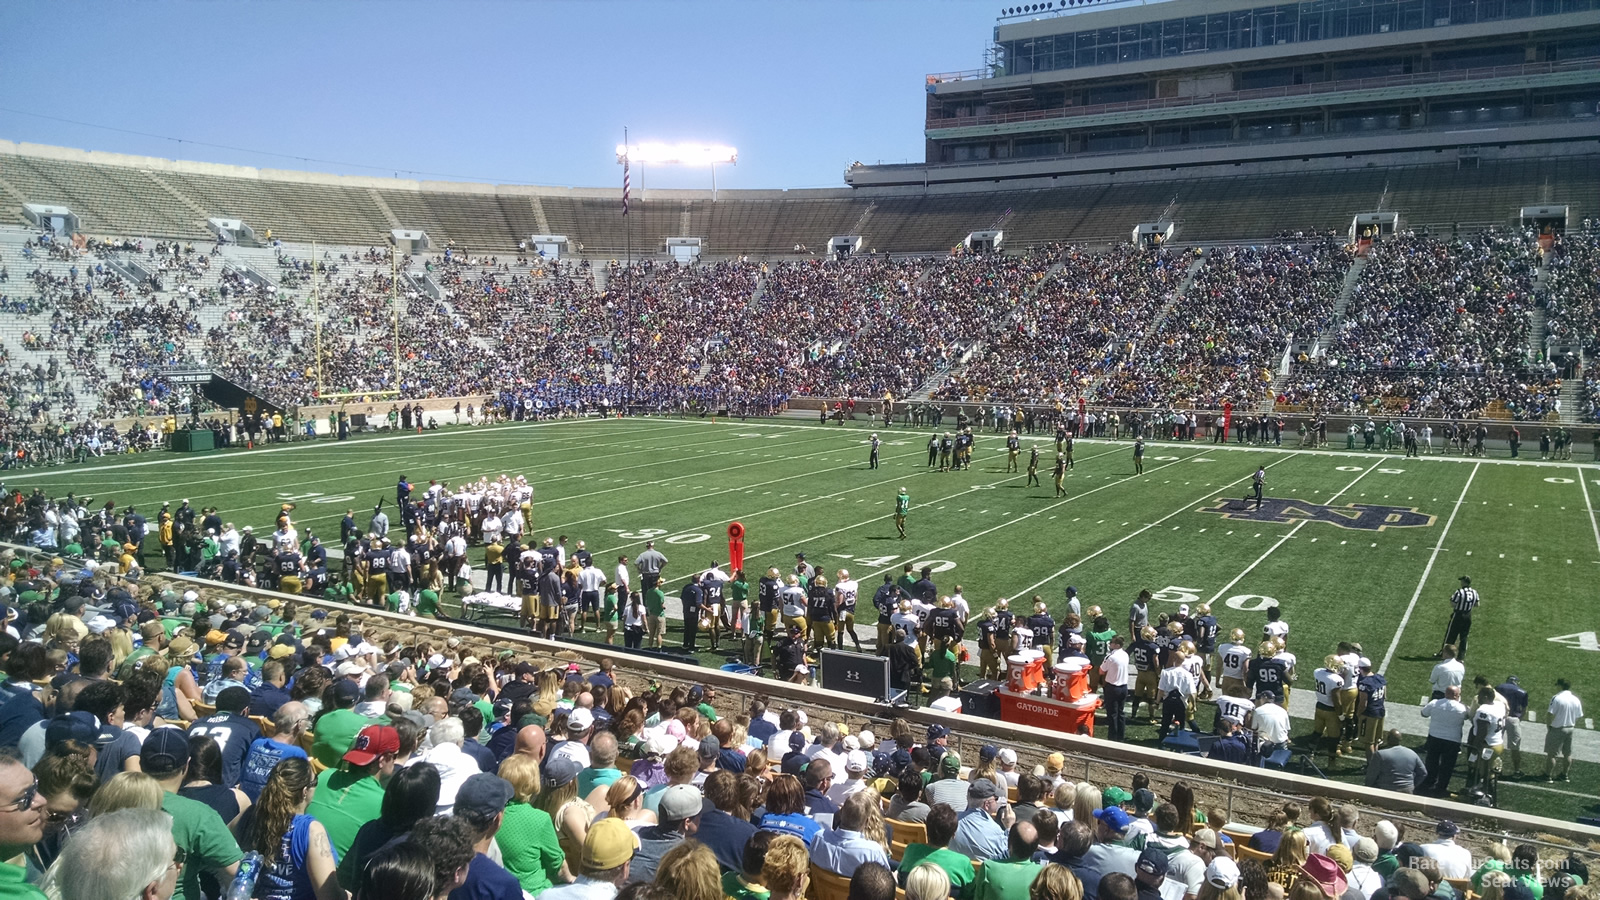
pixel 373 742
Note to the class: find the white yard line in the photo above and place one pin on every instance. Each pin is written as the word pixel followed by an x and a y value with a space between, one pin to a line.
pixel 1285 539
pixel 961 493
pixel 1118 542
pixel 1040 511
pixel 1227 448
pixel 478 463
pixel 746 516
pixel 733 490
pixel 585 495
pixel 1423 581
pixel 322 443
pixel 1589 506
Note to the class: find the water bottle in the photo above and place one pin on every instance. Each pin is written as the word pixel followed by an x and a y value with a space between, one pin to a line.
pixel 244 883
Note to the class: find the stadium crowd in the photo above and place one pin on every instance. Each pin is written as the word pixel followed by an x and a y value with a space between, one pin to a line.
pixel 1573 304
pixel 1437 329
pixel 1433 328
pixel 1222 340
pixel 204 744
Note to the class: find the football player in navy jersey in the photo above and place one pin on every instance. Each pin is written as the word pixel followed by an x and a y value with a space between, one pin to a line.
pixel 1267 674
pixel 944 624
pixel 1369 705
pixel 1005 623
pixel 1042 624
pixel 1146 658
pixel 1203 628
pixel 885 601
pixel 988 645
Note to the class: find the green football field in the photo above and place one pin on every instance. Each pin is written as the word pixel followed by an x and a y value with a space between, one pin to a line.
pixel 1354 546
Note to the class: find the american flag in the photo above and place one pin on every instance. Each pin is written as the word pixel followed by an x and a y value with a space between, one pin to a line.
pixel 625 185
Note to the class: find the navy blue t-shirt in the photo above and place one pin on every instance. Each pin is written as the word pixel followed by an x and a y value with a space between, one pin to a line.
pixel 488 881
pixel 762 730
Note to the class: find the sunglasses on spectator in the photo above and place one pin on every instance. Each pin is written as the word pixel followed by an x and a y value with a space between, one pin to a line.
pixel 23 802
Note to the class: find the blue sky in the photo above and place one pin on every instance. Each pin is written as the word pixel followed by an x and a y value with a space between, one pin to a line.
pixel 511 92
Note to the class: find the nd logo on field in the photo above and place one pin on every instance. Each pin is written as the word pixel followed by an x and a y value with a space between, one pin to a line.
pixel 1361 516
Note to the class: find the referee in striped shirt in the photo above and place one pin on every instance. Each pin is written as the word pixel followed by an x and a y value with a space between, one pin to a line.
pixel 1462 603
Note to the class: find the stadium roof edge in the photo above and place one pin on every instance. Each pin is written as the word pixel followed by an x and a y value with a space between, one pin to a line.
pixel 223 170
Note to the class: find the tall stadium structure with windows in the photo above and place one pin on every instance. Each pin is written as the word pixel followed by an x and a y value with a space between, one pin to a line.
pixel 1096 88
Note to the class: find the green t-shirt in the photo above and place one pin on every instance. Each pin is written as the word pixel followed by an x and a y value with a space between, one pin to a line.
pixel 336 731
pixel 204 838
pixel 1005 880
pixel 958 867
pixel 529 847
pixel 906 582
pixel 428 603
pixel 343 802
pixel 655 602
pixel 14 884
pixel 608 607
pixel 392 602
pixel 735 889
pixel 944 665
pixel 738 592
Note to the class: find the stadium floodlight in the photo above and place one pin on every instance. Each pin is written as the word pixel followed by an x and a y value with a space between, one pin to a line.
pixel 678 154
pixel 690 154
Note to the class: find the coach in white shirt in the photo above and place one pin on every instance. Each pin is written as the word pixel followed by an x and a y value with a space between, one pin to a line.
pixel 1565 711
pixel 1114 673
pixel 1271 723
pixel 621 578
pixel 1445 717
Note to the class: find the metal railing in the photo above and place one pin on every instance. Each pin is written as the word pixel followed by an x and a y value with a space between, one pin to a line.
pixel 1270 93
pixel 1274 93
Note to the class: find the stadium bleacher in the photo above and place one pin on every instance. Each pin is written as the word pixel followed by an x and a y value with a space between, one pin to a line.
pixel 156 198
pixel 950 326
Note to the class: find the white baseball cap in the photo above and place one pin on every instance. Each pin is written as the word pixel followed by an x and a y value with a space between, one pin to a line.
pixel 580 719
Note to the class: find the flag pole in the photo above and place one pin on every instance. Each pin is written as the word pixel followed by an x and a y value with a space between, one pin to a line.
pixel 627 227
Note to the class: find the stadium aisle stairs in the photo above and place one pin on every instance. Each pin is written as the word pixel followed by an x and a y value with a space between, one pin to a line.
pixel 1161 314
pixel 1572 396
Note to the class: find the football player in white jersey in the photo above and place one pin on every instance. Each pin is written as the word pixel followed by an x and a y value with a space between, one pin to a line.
pixel 845 592
pixel 1326 724
pixel 1195 665
pixel 1488 741
pixel 1288 666
pixel 1235 702
pixel 1345 700
pixel 1233 660
pixel 1276 627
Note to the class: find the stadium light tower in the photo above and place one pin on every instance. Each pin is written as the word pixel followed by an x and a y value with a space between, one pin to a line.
pixel 688 154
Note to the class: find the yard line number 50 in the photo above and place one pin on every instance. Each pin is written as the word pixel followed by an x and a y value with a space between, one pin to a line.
pixel 1243 602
